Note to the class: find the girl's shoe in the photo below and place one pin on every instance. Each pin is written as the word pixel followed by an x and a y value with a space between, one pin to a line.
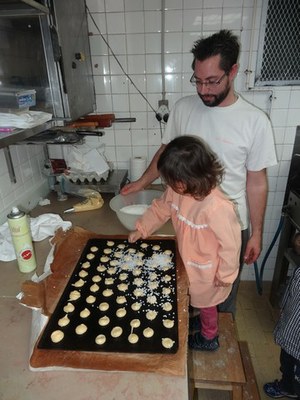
pixel 272 389
pixel 199 342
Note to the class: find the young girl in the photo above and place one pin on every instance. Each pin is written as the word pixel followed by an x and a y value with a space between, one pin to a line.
pixel 206 225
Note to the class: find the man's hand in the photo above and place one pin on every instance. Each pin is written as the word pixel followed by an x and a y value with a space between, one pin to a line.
pixel 134 236
pixel 253 250
pixel 132 187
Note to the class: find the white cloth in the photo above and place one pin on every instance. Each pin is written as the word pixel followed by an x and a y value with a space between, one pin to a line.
pixel 24 119
pixel 240 134
pixel 41 227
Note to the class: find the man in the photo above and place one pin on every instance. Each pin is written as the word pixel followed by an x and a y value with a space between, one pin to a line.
pixel 239 133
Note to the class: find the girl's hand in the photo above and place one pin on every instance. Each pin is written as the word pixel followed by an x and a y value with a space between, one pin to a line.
pixel 219 283
pixel 134 236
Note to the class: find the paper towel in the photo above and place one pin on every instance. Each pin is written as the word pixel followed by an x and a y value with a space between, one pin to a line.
pixel 137 167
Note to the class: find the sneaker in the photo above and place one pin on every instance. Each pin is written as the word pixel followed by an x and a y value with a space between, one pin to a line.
pixel 272 389
pixel 194 323
pixel 199 342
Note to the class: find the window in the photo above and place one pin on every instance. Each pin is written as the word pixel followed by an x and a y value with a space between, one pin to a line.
pixel 278 61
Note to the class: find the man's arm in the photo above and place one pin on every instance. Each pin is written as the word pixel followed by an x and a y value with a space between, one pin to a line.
pixel 257 192
pixel 148 176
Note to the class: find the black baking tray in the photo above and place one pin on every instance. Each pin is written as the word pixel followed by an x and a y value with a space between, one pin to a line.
pixel 165 269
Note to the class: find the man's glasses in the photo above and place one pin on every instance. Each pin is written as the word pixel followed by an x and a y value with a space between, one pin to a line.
pixel 196 82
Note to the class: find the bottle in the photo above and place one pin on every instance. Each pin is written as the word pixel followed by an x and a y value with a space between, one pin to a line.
pixel 22 241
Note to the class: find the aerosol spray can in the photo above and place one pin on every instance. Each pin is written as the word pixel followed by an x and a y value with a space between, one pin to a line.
pixel 21 236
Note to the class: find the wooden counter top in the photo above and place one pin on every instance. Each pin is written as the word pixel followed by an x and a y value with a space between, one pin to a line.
pixel 18 382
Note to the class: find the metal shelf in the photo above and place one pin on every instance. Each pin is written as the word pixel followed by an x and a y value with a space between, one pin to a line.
pixel 9 138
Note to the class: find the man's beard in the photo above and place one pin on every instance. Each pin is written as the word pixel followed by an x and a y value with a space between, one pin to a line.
pixel 213 100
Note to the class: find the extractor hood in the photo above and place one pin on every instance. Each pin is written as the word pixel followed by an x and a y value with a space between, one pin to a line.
pixel 19 8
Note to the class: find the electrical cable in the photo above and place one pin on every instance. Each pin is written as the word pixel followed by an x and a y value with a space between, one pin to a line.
pixel 259 274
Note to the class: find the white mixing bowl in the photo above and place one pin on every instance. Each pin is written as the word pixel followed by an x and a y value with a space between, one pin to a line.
pixel 130 214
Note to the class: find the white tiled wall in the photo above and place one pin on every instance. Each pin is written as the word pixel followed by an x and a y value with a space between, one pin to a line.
pixel 132 29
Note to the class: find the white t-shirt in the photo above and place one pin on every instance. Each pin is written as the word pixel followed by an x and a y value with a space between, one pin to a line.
pixel 240 134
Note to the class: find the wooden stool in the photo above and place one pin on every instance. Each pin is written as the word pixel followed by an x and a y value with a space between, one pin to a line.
pixel 222 369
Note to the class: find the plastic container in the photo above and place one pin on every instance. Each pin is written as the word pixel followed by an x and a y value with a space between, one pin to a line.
pixel 141 198
pixel 21 237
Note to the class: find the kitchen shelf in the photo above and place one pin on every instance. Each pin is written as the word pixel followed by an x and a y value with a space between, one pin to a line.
pixel 18 135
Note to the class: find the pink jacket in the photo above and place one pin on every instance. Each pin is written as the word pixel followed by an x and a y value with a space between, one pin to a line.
pixel 209 240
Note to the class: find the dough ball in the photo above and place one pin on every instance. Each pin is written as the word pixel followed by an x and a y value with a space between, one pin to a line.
pixel 153 285
pixel 123 287
pixel 148 332
pixel 167 343
pixel 168 323
pixel 64 321
pixel 136 306
pixel 166 278
pixel 138 281
pixel 166 291
pixel 86 264
pixel 103 306
pixel 85 313
pixel 121 246
pixel 135 323
pixel 109 281
pixel 57 336
pixel 101 268
pixel 91 299
pixel 151 299
pixel 136 272
pixel 144 245
pixel 79 283
pixel 110 243
pixel 74 295
pixel 123 276
pixel 151 315
pixel 152 276
pixel 107 251
pixel 156 247
pixel 111 270
pixel 83 273
pixel 90 256
pixel 121 312
pixel 69 307
pixel 81 329
pixel 103 321
pixel 133 338
pixel 96 278
pixel 107 292
pixel 104 259
pixel 94 249
pixel 121 299
pixel 100 339
pixel 138 292
pixel 167 306
pixel 94 288
pixel 116 331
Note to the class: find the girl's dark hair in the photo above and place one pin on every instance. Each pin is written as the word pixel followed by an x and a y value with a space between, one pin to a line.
pixel 190 161
pixel 224 43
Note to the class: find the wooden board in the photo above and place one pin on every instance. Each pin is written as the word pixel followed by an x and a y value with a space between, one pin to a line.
pixel 222 369
pixel 69 246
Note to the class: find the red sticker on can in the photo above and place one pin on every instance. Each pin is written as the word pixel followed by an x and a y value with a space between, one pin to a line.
pixel 26 254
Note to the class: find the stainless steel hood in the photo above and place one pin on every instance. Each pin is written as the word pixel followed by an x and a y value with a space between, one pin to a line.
pixel 19 8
